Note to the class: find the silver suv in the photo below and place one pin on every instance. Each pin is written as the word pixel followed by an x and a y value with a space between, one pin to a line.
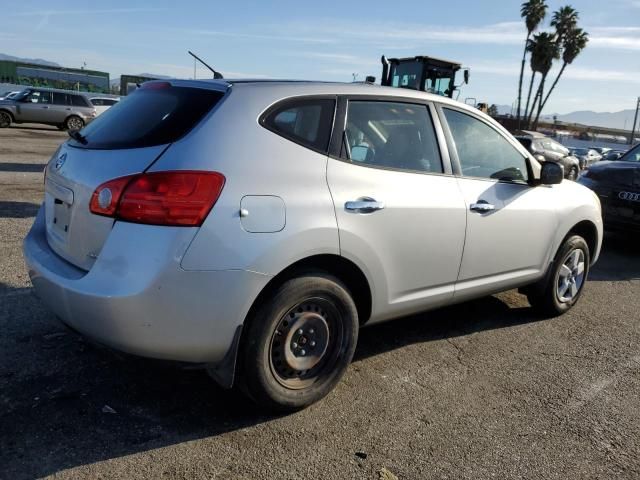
pixel 255 226
pixel 60 108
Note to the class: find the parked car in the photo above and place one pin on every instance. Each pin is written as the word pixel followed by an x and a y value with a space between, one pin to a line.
pixel 617 184
pixel 548 150
pixel 613 155
pixel 60 108
pixel 177 226
pixel 602 150
pixel 9 95
pixel 102 104
pixel 587 156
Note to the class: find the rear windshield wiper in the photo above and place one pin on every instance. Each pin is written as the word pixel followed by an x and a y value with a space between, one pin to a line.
pixel 77 136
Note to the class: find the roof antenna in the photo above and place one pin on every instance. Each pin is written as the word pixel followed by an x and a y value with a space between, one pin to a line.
pixel 216 75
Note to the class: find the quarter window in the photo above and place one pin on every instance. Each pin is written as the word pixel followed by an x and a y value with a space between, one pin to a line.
pixel 391 135
pixel 304 121
pixel 482 151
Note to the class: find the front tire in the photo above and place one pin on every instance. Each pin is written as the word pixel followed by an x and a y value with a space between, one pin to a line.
pixel 299 343
pixel 5 119
pixel 566 279
pixel 573 174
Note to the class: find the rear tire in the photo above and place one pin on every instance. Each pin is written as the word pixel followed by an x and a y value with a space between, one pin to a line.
pixel 73 123
pixel 299 343
pixel 565 281
pixel 5 119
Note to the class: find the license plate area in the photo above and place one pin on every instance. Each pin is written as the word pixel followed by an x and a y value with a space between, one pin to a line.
pixel 59 208
pixel 61 218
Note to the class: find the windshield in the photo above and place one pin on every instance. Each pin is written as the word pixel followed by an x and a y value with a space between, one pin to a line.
pixel 581 151
pixel 21 95
pixel 155 114
pixel 632 155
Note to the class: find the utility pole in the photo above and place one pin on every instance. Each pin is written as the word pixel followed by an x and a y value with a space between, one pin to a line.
pixel 635 119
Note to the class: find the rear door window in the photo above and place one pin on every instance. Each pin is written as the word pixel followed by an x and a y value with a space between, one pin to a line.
pixel 59 98
pixel 155 114
pixel 307 122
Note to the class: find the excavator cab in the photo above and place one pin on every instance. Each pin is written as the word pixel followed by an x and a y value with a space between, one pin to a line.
pixel 428 74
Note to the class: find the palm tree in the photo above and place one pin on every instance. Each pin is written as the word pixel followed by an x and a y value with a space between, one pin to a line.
pixel 574 42
pixel 533 13
pixel 564 21
pixel 544 49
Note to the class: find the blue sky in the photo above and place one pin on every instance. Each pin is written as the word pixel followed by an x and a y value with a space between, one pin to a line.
pixel 329 40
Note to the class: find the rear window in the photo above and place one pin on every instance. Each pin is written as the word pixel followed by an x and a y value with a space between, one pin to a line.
pixel 152 115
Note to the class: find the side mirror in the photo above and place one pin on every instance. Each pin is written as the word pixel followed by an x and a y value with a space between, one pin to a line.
pixel 551 174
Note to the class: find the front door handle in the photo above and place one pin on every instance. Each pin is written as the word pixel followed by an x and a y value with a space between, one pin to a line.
pixel 482 207
pixel 363 205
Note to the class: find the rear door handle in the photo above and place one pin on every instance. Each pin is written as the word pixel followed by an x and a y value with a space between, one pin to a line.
pixel 364 205
pixel 482 207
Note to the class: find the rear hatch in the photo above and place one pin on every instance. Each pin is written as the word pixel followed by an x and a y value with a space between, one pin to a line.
pixel 125 140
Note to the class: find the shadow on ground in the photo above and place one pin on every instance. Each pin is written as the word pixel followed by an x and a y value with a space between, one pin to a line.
pixel 620 258
pixel 52 414
pixel 21 167
pixel 18 209
pixel 65 402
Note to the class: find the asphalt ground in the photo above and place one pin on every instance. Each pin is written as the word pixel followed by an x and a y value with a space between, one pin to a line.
pixel 486 389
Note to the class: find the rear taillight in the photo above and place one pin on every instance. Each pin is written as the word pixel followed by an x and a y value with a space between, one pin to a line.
pixel 179 198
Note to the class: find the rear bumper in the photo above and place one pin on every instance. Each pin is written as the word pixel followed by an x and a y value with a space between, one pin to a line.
pixel 137 299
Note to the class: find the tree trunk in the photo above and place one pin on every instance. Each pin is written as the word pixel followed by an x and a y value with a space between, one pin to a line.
pixel 524 57
pixel 538 97
pixel 526 109
pixel 535 100
pixel 564 64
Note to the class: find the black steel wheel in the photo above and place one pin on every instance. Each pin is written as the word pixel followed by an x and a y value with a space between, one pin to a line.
pixel 299 343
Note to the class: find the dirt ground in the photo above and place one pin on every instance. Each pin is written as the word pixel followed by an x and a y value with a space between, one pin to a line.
pixel 481 390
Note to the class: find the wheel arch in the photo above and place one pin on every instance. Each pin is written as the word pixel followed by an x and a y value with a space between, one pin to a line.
pixel 66 119
pixel 345 270
pixel 13 119
pixel 340 267
pixel 587 230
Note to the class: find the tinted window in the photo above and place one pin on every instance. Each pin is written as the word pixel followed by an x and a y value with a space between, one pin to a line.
pixel 151 115
pixel 59 98
pixel 78 101
pixel 482 151
pixel 305 121
pixel 97 102
pixel 109 102
pixel 393 135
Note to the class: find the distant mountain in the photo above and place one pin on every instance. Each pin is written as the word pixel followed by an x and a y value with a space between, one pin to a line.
pixel 622 119
pixel 38 61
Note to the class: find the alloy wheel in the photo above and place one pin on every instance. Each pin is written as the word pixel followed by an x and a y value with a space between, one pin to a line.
pixel 571 276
